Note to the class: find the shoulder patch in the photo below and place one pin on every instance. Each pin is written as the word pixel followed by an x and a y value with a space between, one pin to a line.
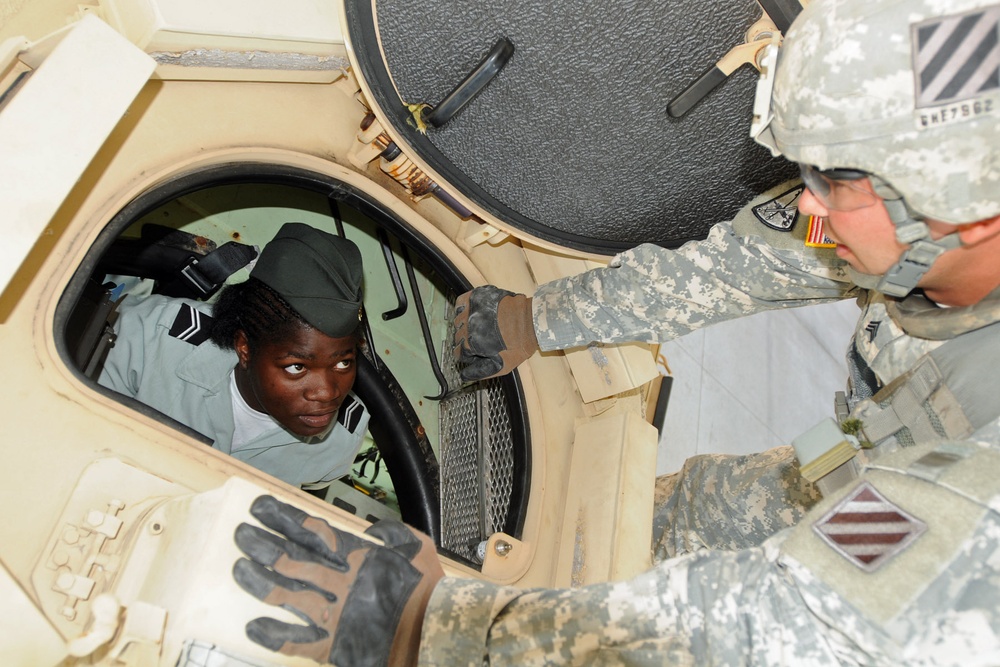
pixel 868 529
pixel 350 413
pixel 954 62
pixel 191 325
pixel 780 212
pixel 816 237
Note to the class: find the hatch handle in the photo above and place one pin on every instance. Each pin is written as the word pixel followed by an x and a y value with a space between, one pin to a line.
pixel 776 16
pixel 473 84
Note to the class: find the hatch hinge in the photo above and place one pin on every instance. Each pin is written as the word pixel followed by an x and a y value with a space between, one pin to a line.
pixel 376 144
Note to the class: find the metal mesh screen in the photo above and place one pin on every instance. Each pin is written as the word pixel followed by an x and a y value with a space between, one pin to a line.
pixel 477 463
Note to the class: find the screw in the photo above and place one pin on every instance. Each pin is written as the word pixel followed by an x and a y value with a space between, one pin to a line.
pixel 502 547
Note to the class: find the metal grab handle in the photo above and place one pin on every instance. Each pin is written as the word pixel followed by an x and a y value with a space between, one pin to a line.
pixel 397 284
pixel 473 84
pixel 696 92
pixel 425 329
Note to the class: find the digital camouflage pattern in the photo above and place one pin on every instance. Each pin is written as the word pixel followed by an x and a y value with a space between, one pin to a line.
pixel 651 294
pixel 795 595
pixel 927 124
pixel 795 600
pixel 726 502
pixel 730 275
pixel 655 294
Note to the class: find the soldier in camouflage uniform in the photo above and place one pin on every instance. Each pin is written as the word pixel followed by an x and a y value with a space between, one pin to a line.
pixel 878 134
pixel 918 584
pixel 899 566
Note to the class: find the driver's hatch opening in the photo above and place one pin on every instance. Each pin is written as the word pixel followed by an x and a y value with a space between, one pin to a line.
pixel 450 460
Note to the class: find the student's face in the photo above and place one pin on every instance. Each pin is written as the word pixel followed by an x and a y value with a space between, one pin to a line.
pixel 300 381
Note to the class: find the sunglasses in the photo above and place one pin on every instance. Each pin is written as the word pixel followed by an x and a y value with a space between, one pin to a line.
pixel 839 189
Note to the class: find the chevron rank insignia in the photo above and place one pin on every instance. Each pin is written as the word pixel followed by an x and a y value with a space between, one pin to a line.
pixel 350 414
pixel 867 529
pixel 191 325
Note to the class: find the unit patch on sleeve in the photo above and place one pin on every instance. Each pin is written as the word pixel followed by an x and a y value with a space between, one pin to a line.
pixel 191 325
pixel 867 529
pixel 956 63
pixel 780 212
pixel 350 413
pixel 816 237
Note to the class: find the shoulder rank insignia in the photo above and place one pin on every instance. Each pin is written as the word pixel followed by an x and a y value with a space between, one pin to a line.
pixel 867 529
pixel 350 413
pixel 191 325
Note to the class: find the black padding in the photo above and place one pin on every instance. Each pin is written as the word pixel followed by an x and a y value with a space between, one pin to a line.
pixel 412 478
pixel 572 141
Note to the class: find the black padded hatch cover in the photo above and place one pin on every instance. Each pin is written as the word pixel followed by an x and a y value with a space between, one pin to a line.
pixel 571 142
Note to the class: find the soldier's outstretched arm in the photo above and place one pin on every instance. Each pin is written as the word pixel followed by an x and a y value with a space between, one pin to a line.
pixel 653 294
pixel 897 568
pixel 647 294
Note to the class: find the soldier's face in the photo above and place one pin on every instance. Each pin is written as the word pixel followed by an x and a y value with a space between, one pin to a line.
pixel 300 381
pixel 866 237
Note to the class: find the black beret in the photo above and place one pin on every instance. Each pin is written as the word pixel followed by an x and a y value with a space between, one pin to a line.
pixel 317 273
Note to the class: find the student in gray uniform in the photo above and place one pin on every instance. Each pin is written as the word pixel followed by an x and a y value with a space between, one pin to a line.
pixel 266 372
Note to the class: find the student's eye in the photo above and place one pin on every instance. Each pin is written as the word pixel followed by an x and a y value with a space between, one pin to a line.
pixel 295 369
pixel 344 364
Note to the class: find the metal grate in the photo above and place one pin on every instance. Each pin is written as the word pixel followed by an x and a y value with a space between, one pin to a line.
pixel 477 463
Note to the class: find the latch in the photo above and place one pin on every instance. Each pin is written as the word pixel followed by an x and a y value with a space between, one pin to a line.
pixel 79 574
pixel 775 18
pixel 78 558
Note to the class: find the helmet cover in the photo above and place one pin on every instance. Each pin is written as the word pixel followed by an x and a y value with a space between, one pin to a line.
pixel 907 90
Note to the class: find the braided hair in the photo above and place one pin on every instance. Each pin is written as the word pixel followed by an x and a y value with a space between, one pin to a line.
pixel 258 311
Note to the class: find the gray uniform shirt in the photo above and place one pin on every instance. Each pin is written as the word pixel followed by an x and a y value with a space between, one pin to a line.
pixel 162 358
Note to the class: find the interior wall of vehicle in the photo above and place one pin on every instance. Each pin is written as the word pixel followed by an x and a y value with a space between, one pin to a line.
pixel 460 483
pixel 172 127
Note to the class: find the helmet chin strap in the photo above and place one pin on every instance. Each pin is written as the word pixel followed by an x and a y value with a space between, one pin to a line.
pixel 918 258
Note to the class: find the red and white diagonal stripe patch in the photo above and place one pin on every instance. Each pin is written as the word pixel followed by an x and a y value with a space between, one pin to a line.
pixel 867 529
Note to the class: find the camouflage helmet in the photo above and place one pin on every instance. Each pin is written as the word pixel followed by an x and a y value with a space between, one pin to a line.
pixel 906 90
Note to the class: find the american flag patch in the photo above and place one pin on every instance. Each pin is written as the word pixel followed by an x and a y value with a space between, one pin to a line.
pixel 815 237
pixel 867 529
pixel 957 58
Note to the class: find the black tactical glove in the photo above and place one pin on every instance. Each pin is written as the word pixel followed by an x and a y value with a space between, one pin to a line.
pixel 494 332
pixel 363 604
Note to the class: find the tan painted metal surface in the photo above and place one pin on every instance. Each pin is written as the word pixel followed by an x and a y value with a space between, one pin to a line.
pixel 116 540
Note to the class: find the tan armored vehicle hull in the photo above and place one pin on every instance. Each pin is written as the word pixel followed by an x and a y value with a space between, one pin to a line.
pixel 116 544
